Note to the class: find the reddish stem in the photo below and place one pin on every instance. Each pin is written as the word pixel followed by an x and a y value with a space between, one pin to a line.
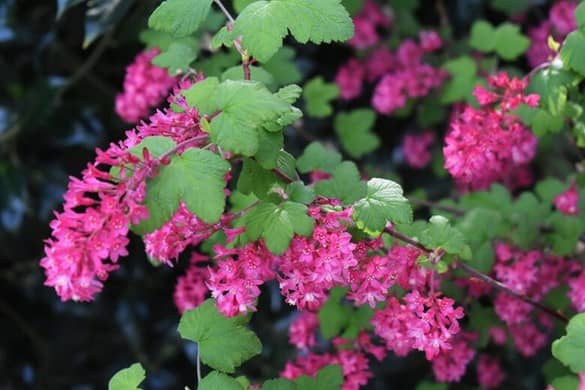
pixel 485 278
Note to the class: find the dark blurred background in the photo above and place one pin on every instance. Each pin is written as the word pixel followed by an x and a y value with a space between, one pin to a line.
pixel 61 65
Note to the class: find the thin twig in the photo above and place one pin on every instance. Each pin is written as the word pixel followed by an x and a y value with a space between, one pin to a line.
pixel 485 278
pixel 225 11
pixel 502 287
pixel 198 367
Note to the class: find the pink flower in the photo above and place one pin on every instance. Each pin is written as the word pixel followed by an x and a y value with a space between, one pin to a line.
pixel 430 40
pixel 478 149
pixel 302 330
pixel 366 23
pixel 489 372
pixel 424 323
pixel 416 149
pixel 450 365
pixel 89 236
pixel 190 290
pixel 145 87
pixel 349 79
pixel 568 202
pixel 577 291
pixel 560 23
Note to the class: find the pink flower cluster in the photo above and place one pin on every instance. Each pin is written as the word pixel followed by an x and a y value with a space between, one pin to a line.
pixel 450 365
pixel 560 23
pixel 191 290
pixel 302 330
pixel 89 236
pixel 351 357
pixel 416 149
pixel 568 202
pixel 94 224
pixel 404 74
pixel 182 230
pixel 490 144
pixel 409 78
pixel 489 372
pixel 421 323
pixel 239 272
pixel 145 87
pixel 366 23
pixel 577 291
pixel 533 274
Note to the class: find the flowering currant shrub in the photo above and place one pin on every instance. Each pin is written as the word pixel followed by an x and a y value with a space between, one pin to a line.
pixel 373 268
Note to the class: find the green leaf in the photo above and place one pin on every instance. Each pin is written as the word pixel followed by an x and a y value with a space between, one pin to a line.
pixel 255 179
pixel 264 24
pixel 283 67
pixel 510 42
pixel 573 52
pixel 128 378
pixel 345 185
pixel 481 320
pixel 179 17
pixel 217 381
pixel 328 378
pixel 333 315
pixel 277 224
pixel 245 106
pixel 353 6
pixel 153 38
pixel 425 385
pixel 224 343
pixel 256 74
pixel 269 147
pixel 298 192
pixel 223 37
pixel 580 16
pixel 463 79
pixel 553 369
pixel 565 234
pixel 354 130
pixel 548 188
pixel 290 93
pixel 570 349
pixel 358 321
pixel 568 382
pixel 440 234
pixel 199 95
pixel 177 58
pixel 215 65
pixel 195 177
pixel 483 36
pixel 384 201
pixel 511 7
pixel 317 95
pixel 279 384
pixel 317 157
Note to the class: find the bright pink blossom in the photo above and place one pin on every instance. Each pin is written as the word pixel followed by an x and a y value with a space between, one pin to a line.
pixel 450 365
pixel 423 323
pixel 354 365
pixel 577 291
pixel 430 40
pixel 302 330
pixel 236 279
pixel 568 202
pixel 560 23
pixel 416 149
pixel 349 79
pixel 190 290
pixel 490 144
pixel 489 372
pixel 367 22
pixel 145 86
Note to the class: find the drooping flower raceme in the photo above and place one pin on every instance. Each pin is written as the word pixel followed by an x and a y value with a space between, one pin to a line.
pixel 416 149
pixel 90 235
pixel 145 87
pixel 490 144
